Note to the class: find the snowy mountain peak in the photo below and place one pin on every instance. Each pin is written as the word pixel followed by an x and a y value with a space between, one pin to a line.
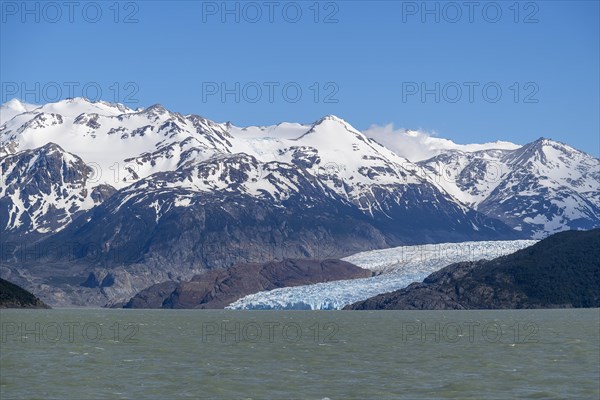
pixel 330 129
pixel 544 150
pixel 156 108
pixel 330 117
pixel 50 148
pixel 332 120
pixel 75 101
pixel 543 142
pixel 75 106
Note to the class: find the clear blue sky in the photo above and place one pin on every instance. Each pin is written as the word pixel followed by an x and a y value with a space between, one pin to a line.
pixel 374 58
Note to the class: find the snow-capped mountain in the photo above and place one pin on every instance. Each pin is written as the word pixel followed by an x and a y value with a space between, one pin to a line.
pixel 540 188
pixel 123 145
pixel 183 191
pixel 132 149
pixel 43 189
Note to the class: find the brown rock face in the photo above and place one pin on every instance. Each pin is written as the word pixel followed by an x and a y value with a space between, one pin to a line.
pixel 219 288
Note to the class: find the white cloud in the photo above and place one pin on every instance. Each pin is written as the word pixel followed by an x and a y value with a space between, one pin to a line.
pixel 419 145
pixel 14 107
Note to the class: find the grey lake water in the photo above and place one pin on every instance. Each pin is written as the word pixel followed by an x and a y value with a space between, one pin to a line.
pixel 197 354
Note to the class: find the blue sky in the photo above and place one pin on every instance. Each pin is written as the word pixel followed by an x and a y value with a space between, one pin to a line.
pixel 370 61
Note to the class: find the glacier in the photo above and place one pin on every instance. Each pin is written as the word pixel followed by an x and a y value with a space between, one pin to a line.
pixel 396 268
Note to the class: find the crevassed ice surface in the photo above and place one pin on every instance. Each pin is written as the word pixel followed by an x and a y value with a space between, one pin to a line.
pixel 398 267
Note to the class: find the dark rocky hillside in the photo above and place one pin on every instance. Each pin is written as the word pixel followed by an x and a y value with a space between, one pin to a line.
pixel 13 296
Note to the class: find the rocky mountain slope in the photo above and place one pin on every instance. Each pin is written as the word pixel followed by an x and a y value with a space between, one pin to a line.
pixel 562 271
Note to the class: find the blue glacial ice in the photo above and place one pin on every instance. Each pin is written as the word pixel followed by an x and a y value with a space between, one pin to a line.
pixel 396 268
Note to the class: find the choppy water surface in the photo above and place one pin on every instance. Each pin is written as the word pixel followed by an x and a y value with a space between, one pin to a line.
pixel 198 354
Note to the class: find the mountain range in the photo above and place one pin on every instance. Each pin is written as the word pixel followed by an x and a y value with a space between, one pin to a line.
pixel 138 197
